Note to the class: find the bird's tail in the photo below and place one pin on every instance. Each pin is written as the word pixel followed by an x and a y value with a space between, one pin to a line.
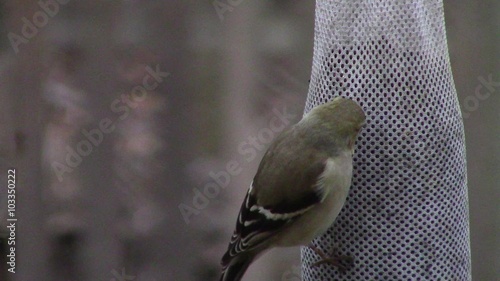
pixel 235 269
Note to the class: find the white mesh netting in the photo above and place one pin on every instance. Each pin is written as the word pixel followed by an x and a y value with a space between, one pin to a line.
pixel 406 217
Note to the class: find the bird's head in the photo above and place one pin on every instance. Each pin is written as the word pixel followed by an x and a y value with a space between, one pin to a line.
pixel 340 119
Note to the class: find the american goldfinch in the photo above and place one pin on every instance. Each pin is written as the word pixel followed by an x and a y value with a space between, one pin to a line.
pixel 300 186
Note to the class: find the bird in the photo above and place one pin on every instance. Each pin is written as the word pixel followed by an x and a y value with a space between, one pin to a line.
pixel 299 188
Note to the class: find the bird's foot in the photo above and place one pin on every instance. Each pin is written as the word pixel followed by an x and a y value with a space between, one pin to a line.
pixel 342 263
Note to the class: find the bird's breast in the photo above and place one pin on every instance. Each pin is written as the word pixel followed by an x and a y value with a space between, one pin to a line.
pixel 336 181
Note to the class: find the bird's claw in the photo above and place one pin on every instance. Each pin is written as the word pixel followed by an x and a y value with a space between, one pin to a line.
pixel 342 263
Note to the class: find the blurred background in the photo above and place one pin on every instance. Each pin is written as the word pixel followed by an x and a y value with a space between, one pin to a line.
pixel 137 126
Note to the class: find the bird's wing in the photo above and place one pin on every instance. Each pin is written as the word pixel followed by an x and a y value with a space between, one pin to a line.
pixel 258 222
